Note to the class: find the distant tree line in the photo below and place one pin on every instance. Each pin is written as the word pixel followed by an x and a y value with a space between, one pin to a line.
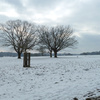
pixel 23 36
pixel 11 54
pixel 8 54
pixel 91 53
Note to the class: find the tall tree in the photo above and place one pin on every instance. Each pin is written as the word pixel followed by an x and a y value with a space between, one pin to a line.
pixel 57 38
pixel 21 35
pixel 44 38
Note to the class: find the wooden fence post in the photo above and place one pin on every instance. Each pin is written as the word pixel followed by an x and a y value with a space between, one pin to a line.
pixel 26 60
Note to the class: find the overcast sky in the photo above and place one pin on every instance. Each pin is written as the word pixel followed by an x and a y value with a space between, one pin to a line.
pixel 82 15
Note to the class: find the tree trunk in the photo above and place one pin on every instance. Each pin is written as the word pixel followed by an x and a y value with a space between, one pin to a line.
pixel 55 54
pixel 51 54
pixel 19 55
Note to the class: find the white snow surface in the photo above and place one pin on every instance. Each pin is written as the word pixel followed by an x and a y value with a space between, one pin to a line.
pixel 61 78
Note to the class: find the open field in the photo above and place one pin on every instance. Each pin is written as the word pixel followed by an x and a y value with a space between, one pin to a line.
pixel 61 78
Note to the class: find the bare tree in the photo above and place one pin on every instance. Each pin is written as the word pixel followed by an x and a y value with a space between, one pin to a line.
pixel 21 35
pixel 44 38
pixel 57 38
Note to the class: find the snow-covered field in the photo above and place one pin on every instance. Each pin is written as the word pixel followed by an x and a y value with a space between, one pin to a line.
pixel 61 78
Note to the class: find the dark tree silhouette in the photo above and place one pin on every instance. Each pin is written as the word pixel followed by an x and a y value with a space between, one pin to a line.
pixel 21 35
pixel 57 38
pixel 44 38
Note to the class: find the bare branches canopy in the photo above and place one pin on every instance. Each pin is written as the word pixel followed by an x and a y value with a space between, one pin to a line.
pixel 21 35
pixel 57 38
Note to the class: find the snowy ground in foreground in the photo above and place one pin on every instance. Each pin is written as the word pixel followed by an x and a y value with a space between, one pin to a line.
pixel 60 78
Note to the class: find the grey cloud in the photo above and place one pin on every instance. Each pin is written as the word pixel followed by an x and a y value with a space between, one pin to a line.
pixel 44 4
pixel 4 18
pixel 16 3
pixel 84 14
pixel 89 42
